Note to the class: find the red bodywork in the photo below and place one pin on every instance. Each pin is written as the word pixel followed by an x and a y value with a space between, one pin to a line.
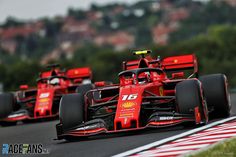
pixel 43 101
pixel 145 87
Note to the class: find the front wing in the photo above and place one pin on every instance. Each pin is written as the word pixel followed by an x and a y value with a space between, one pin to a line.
pixel 98 126
pixel 24 115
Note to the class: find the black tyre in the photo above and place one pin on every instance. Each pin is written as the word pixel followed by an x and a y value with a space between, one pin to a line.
pixel 216 93
pixel 71 110
pixel 7 102
pixel 83 89
pixel 189 96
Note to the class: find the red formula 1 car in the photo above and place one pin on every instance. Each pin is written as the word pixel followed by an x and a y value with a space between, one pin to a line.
pixel 42 101
pixel 146 97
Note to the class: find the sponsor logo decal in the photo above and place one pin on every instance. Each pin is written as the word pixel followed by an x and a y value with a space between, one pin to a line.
pixel 76 72
pixel 166 118
pixel 122 115
pixel 43 100
pixel 128 104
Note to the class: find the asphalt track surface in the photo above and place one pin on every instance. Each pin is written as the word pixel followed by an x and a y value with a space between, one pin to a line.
pixel 103 145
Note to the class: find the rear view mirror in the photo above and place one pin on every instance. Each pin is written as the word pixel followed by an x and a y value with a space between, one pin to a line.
pixel 100 84
pixel 178 75
pixel 24 87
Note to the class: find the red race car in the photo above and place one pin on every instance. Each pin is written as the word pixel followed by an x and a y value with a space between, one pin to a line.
pixel 152 93
pixel 43 100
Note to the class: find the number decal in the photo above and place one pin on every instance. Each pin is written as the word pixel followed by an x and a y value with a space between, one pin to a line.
pixel 129 97
pixel 124 97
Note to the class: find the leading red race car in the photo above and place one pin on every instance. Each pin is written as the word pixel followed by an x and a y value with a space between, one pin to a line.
pixel 43 100
pixel 146 97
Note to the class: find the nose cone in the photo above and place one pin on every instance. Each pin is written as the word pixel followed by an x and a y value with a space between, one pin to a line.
pixel 44 102
pixel 128 108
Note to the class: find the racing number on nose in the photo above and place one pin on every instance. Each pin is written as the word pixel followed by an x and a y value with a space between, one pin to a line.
pixel 129 97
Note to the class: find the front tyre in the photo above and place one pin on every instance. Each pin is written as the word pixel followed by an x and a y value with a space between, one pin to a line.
pixel 71 111
pixel 188 97
pixel 216 93
pixel 7 102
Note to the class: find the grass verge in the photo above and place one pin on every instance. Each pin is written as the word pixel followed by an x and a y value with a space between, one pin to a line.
pixel 223 149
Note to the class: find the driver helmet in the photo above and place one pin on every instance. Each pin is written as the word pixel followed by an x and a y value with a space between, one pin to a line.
pixel 86 81
pixel 144 78
pixel 54 81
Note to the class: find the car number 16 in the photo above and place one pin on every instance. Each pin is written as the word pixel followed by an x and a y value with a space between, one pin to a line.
pixel 129 97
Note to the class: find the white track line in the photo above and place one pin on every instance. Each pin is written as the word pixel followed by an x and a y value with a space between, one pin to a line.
pixel 158 143
pixel 165 154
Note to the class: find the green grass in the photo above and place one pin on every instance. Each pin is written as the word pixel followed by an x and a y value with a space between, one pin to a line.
pixel 224 149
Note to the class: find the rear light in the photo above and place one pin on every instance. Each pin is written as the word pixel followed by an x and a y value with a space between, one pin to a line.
pixel 177 75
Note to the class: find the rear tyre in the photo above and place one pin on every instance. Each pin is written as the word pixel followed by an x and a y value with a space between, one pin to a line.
pixel 83 89
pixel 216 93
pixel 71 111
pixel 7 102
pixel 188 97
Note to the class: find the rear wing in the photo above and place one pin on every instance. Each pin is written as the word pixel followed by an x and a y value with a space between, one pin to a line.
pixel 179 63
pixel 79 73
pixel 45 74
pixel 149 62
pixel 49 73
pixel 144 62
pixel 130 65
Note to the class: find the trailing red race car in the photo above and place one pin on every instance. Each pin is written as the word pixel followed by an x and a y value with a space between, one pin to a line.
pixel 152 93
pixel 43 100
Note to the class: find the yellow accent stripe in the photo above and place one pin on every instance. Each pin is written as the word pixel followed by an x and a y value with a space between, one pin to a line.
pixel 142 52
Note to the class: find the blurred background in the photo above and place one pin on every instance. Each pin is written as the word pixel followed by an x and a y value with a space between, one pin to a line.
pixel 102 33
